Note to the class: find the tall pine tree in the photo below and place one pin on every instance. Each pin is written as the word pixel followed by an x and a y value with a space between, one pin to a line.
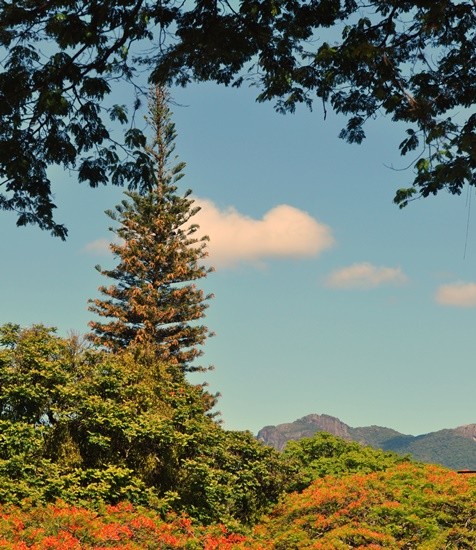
pixel 154 301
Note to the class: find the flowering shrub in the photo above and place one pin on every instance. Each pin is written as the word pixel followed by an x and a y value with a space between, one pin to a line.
pixel 408 506
pixel 64 527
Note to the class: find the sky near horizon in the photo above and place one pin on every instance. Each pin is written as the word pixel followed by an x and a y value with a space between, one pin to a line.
pixel 328 298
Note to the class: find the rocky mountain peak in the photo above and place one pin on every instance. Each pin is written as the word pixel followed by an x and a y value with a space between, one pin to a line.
pixel 468 431
pixel 454 448
pixel 307 426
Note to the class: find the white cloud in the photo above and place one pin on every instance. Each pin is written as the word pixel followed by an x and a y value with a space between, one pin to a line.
pixel 365 275
pixel 283 232
pixel 457 294
pixel 99 247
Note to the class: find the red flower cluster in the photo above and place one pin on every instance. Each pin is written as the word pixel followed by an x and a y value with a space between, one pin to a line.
pixel 63 527
pixel 407 506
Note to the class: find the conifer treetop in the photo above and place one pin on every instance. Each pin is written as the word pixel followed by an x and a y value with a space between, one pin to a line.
pixel 154 300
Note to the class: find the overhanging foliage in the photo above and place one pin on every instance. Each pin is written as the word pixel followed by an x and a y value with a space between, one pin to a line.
pixel 411 60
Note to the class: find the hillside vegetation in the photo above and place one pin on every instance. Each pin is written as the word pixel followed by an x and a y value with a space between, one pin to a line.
pixel 453 448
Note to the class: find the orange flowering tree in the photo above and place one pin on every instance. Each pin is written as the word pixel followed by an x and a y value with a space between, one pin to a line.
pixel 63 527
pixel 406 506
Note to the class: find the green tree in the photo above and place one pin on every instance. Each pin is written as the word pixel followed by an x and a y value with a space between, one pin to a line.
pixel 411 60
pixel 93 427
pixel 155 301
pixel 75 422
pixel 324 454
pixel 117 419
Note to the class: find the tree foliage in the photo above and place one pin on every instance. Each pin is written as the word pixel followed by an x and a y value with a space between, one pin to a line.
pixel 93 427
pixel 411 60
pixel 154 300
pixel 324 454
pixel 123 526
pixel 405 506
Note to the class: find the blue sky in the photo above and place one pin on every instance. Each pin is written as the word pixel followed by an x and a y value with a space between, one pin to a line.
pixel 328 298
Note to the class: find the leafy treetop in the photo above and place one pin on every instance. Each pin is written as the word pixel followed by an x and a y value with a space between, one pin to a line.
pixel 411 60
pixel 324 454
pixel 91 427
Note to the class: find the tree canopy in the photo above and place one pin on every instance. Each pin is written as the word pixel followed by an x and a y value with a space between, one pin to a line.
pixel 92 427
pixel 410 60
pixel 324 454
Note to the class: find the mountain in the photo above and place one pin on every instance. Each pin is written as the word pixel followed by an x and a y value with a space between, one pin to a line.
pixel 453 448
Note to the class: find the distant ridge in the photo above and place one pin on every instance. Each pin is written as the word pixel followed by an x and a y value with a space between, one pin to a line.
pixel 454 448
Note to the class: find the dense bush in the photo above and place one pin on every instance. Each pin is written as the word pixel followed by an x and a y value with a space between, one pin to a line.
pixel 324 454
pixel 90 427
pixel 62 527
pixel 406 506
